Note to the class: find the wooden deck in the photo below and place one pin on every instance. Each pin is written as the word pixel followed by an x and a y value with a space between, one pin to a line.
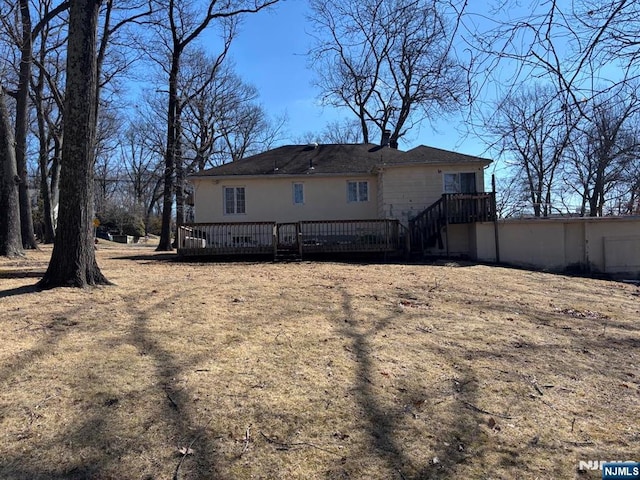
pixel 297 239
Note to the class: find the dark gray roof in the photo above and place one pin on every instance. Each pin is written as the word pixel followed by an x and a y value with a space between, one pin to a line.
pixel 335 159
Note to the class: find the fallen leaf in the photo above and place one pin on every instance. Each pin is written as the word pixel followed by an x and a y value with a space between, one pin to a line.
pixel 491 423
pixel 185 451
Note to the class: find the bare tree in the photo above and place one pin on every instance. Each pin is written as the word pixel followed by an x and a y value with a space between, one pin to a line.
pixel 222 120
pixel 208 88
pixel 345 131
pixel 143 170
pixel 584 48
pixel 10 237
pixel 184 23
pixel 632 205
pixel 388 62
pixel 73 261
pixel 533 132
pixel 22 32
pixel 606 151
pixel 22 127
pixel 107 169
pixel 247 131
pixel 47 98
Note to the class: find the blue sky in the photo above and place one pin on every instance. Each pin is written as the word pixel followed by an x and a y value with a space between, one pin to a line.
pixel 270 53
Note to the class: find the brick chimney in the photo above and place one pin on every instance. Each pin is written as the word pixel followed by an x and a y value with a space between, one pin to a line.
pixel 386 139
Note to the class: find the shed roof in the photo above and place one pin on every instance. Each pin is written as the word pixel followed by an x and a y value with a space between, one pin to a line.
pixel 335 159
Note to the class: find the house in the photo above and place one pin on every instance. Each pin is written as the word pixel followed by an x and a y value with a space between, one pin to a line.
pixel 333 197
pixel 305 199
pixel 333 182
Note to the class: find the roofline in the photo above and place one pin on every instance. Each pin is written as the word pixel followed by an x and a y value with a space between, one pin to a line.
pixel 482 161
pixel 281 175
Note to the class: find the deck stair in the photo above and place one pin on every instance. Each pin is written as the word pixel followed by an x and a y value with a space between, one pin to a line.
pixel 287 254
pixel 426 228
pixel 287 242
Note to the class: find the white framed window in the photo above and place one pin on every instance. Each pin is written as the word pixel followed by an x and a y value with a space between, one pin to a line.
pixel 460 182
pixel 357 191
pixel 298 193
pixel 234 201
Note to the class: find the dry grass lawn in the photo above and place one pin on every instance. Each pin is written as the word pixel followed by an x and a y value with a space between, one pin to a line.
pixel 324 370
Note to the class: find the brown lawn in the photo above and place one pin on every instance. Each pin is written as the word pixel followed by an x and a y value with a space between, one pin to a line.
pixel 322 370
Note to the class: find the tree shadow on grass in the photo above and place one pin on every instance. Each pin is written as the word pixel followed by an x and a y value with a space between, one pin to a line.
pixel 177 406
pixel 20 465
pixel 456 439
pixel 90 443
pixel 22 274
pixel 13 292
pixel 151 257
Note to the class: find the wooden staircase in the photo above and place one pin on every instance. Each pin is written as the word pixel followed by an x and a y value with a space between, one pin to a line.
pixel 425 229
pixel 287 254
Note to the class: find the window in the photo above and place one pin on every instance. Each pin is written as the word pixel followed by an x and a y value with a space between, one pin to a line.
pixel 298 193
pixel 234 200
pixel 357 191
pixel 460 182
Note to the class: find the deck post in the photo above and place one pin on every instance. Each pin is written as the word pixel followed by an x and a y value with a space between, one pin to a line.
pixel 275 240
pixel 496 232
pixel 446 221
pixel 299 237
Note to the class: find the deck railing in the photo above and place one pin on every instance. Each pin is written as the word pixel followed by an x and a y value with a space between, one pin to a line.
pixel 305 237
pixel 425 227
pixel 350 236
pixel 226 238
pixel 468 208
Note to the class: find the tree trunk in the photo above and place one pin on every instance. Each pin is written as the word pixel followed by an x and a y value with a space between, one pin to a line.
pixel 22 126
pixel 170 155
pixel 10 237
pixel 180 173
pixel 43 160
pixel 73 261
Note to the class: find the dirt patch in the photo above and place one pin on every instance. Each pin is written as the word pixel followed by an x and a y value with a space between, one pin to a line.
pixel 314 370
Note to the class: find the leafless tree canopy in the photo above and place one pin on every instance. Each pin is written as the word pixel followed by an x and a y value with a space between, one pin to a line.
pixel 534 133
pixel 179 25
pixel 388 62
pixel 584 53
pixel 603 167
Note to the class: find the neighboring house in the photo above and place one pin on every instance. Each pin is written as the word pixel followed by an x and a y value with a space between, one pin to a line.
pixel 328 183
